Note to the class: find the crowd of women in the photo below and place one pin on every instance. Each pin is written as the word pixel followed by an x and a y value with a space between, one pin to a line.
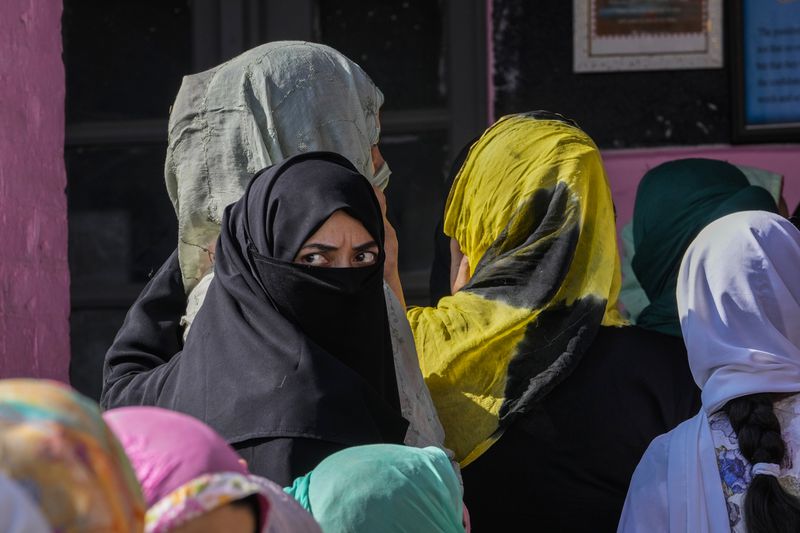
pixel 269 377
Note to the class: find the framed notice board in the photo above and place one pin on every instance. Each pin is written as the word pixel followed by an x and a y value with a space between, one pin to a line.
pixel 617 35
pixel 765 67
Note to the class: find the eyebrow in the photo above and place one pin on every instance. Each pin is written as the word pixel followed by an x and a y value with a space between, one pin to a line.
pixel 319 247
pixel 328 248
pixel 366 246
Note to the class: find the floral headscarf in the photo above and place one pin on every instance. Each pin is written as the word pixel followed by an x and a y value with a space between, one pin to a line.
pixel 55 445
pixel 280 513
pixel 187 470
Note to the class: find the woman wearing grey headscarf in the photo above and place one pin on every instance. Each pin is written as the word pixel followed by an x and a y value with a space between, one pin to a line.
pixel 270 103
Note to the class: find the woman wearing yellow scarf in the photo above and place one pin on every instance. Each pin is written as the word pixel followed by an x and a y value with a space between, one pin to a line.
pixel 531 211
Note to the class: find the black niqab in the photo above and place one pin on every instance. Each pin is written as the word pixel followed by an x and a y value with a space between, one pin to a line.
pixel 287 350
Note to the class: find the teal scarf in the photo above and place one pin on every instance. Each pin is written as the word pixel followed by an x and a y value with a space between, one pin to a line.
pixel 383 487
pixel 674 202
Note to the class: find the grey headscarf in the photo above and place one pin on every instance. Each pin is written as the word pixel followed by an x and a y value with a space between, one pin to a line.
pixel 270 103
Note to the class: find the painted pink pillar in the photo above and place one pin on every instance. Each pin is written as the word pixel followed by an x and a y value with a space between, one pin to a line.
pixel 34 275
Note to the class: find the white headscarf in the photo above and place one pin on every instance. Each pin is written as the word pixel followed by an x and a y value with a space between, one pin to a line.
pixel 739 304
pixel 270 103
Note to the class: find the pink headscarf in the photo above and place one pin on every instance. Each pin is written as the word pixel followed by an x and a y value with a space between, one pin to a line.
pixel 186 469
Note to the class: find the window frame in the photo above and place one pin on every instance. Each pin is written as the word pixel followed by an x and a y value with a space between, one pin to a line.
pixel 224 28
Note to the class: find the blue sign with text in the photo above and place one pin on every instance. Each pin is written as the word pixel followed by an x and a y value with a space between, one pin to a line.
pixel 771 62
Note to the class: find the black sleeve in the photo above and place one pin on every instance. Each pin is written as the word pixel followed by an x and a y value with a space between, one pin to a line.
pixel 150 338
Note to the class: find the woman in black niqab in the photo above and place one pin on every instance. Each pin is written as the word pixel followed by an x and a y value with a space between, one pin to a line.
pixel 289 362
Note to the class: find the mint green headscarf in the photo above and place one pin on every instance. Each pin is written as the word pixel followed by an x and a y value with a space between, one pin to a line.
pixel 676 200
pixel 383 488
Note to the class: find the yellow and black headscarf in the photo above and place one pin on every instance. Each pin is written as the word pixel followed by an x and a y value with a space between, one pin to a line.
pixel 532 212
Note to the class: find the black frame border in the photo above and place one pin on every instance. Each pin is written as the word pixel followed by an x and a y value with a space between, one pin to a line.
pixel 740 131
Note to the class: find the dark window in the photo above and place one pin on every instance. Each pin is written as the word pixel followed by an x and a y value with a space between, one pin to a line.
pixel 415 195
pixel 122 223
pixel 124 60
pixel 400 45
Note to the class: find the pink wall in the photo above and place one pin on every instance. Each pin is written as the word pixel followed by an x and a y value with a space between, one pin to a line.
pixel 626 167
pixel 34 276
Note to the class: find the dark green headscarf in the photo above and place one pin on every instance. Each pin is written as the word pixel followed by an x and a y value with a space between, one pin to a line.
pixel 676 200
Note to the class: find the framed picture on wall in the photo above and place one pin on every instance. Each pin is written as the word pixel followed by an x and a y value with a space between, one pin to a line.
pixel 765 70
pixel 617 35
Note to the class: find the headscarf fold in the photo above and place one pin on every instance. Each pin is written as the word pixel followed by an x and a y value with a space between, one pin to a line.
pixel 532 212
pixel 55 445
pixel 187 470
pixel 288 350
pixel 674 201
pixel 384 488
pixel 739 305
pixel 272 102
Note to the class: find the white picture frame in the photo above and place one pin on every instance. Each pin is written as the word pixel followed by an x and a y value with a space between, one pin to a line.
pixel 630 35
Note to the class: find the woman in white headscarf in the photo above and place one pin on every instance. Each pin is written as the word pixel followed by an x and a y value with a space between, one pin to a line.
pixel 736 465
pixel 260 108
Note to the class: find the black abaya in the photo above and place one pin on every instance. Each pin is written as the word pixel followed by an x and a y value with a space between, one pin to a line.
pixel 287 362
pixel 566 466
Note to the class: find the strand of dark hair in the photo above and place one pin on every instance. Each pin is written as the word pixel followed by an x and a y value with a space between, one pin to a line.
pixel 767 507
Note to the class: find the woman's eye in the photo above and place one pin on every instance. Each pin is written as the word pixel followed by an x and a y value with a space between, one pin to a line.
pixel 314 259
pixel 365 258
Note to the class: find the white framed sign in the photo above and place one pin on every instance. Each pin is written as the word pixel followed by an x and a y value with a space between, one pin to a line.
pixel 616 35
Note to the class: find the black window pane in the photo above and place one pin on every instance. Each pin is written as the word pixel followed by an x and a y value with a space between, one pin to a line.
pixel 122 224
pixel 91 333
pixel 398 43
pixel 415 199
pixel 124 60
